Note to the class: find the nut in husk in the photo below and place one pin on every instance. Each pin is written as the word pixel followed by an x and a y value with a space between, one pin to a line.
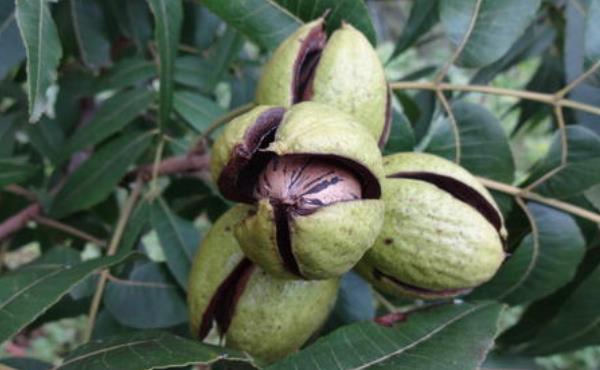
pixel 343 72
pixel 443 233
pixel 255 312
pixel 311 174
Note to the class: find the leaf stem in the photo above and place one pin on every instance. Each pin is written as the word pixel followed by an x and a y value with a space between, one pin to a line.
pixel 68 229
pixel 112 249
pixel 554 203
pixel 226 118
pixel 528 95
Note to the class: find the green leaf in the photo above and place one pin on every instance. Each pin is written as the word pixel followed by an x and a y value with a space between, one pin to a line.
pixel 179 239
pixel 425 340
pixel 497 26
pixel 423 15
pixel 536 39
pixel 10 40
pixel 508 362
pixel 139 219
pixel 8 127
pixel 47 138
pixel 167 18
pixel 111 117
pixel 534 271
pixel 134 20
pixel 128 72
pixel 548 78
pixel 577 323
pixel 15 170
pixel 96 178
pixel 145 350
pixel 28 292
pixel 147 299
pixel 227 49
pixel 591 36
pixel 43 53
pixel 263 21
pixel 484 146
pixel 195 72
pixel 581 170
pixel 19 363
pixel 197 110
pixel 89 26
pixel 354 12
pixel 402 137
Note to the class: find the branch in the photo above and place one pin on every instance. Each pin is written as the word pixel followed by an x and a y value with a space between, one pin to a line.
pixel 554 203
pixel 19 221
pixel 528 95
pixel 68 229
pixel 112 249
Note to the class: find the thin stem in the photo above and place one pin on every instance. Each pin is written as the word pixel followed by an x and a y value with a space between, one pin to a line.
pixel 562 127
pixel 554 203
pixel 68 229
pixel 528 95
pixel 453 123
pixel 155 166
pixel 440 76
pixel 389 306
pixel 19 190
pixel 112 249
pixel 226 118
pixel 543 178
pixel 565 90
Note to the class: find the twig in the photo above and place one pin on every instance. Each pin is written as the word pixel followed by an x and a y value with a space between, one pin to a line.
pixel 180 164
pixel 389 306
pixel 226 118
pixel 112 249
pixel 442 73
pixel 554 203
pixel 19 220
pixel 528 95
pixel 453 123
pixel 565 90
pixel 68 229
pixel 19 190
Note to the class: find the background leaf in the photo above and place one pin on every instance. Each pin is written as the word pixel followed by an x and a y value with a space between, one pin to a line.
pixel 354 12
pixel 96 178
pixel 27 293
pixel 89 27
pixel 114 114
pixel 179 239
pixel 263 21
pixel 146 299
pixel 534 271
pixel 10 39
pixel 167 18
pixel 159 349
pixel 423 341
pixel 15 170
pixel 592 37
pixel 423 15
pixel 489 39
pixel 197 110
pixel 484 145
pixel 43 53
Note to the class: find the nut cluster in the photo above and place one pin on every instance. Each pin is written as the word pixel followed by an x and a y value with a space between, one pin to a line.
pixel 318 199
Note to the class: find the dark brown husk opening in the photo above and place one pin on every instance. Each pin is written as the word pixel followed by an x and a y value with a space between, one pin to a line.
pixel 379 275
pixel 283 237
pixel 460 191
pixel 306 63
pixel 222 305
pixel 239 176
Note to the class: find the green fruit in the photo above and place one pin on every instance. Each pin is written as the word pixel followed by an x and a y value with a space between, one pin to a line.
pixel 343 72
pixel 443 233
pixel 255 312
pixel 312 175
